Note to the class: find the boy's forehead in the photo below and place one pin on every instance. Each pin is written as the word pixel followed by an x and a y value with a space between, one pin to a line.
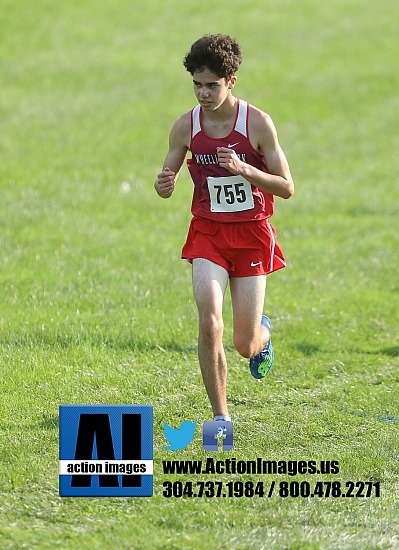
pixel 206 76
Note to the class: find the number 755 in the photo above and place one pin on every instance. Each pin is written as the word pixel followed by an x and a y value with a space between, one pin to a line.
pixel 231 196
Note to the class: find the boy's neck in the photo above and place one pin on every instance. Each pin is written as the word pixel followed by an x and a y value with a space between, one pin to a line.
pixel 227 110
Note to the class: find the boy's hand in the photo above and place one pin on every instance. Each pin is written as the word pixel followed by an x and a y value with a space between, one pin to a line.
pixel 228 159
pixel 165 183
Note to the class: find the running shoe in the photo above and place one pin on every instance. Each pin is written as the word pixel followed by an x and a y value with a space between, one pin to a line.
pixel 260 364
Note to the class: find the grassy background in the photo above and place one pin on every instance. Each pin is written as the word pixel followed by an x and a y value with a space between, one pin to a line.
pixel 96 306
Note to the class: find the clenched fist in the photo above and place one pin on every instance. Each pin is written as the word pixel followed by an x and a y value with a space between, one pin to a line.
pixel 165 183
pixel 228 159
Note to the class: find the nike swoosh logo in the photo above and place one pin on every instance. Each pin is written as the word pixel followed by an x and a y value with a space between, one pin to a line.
pixel 254 265
pixel 234 144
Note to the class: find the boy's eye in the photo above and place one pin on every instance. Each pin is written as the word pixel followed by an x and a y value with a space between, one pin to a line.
pixel 212 85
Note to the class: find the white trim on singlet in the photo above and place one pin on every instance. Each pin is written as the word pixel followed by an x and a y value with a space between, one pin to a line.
pixel 241 124
pixel 196 123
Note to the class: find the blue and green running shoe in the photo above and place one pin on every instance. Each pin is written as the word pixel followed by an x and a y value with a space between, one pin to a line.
pixel 260 364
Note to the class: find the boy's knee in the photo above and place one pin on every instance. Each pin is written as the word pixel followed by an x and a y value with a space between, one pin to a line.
pixel 245 347
pixel 211 327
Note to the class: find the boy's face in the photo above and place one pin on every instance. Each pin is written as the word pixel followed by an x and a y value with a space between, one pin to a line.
pixel 211 90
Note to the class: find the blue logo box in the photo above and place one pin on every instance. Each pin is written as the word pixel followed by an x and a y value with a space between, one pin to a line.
pixel 106 450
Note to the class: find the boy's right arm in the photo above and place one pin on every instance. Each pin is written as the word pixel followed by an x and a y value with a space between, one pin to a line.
pixel 178 147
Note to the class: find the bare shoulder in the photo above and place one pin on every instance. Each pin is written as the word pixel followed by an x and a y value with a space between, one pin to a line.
pixel 181 129
pixel 260 121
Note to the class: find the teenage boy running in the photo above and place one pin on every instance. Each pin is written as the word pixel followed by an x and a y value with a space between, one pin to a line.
pixel 237 166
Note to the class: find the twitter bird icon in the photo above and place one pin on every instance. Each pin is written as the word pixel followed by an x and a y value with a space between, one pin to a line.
pixel 180 437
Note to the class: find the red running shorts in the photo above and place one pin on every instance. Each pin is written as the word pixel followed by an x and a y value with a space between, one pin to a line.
pixel 243 249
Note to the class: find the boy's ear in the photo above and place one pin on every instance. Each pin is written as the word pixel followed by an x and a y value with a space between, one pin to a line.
pixel 232 82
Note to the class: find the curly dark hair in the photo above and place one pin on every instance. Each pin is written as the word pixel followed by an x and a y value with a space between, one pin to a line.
pixel 218 53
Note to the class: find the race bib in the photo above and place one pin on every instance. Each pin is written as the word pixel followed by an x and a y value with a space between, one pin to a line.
pixel 230 194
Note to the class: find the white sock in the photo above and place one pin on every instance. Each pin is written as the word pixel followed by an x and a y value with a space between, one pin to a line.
pixel 224 417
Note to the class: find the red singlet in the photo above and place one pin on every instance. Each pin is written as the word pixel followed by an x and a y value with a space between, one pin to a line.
pixel 204 165
pixel 230 226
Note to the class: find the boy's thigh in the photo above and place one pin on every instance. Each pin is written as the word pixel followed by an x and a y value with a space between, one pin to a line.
pixel 247 296
pixel 209 285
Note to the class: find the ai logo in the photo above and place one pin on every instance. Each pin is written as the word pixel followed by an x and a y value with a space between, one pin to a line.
pixel 106 450
pixel 217 436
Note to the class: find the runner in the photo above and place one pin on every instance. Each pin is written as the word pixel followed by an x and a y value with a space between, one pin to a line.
pixel 237 167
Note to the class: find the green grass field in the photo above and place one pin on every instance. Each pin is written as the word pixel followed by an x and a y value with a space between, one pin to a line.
pixel 96 305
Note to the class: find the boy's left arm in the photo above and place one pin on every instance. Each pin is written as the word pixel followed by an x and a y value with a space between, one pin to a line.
pixel 278 180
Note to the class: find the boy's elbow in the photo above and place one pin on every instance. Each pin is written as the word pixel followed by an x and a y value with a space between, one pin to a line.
pixel 289 190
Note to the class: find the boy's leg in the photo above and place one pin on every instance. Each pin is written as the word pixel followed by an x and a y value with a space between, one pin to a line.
pixel 248 296
pixel 209 285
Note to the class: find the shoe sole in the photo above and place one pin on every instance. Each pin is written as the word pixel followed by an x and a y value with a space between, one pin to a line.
pixel 255 369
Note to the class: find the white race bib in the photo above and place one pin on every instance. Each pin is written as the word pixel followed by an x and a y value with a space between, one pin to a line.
pixel 230 194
